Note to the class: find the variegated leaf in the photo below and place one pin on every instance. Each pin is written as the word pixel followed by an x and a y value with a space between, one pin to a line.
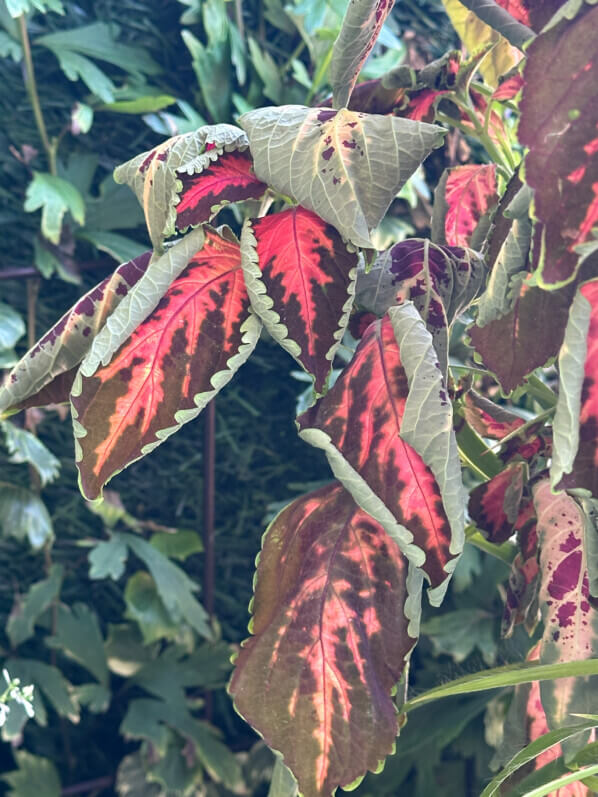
pixel 347 167
pixel 521 600
pixel 335 616
pixel 487 418
pixel 575 428
pixel 470 193
pixel 570 622
pixel 494 505
pixel 160 175
pixel 511 347
pixel 300 278
pixel 45 374
pixel 362 23
pixel 386 428
pixel 559 124
pixel 175 361
pixel 440 280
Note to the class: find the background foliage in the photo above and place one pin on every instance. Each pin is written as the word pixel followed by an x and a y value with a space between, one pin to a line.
pixel 94 608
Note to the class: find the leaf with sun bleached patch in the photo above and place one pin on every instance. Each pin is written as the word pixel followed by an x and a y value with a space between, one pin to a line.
pixel 345 166
pixel 335 617
pixel 174 362
pixel 45 374
pixel 441 281
pixel 386 428
pixel 362 23
pixel 570 622
pixel 559 124
pixel 300 279
pixel 575 427
pixel 185 180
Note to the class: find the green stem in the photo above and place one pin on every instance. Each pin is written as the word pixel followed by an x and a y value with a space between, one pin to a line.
pixel 505 552
pixel 31 86
pixel 520 430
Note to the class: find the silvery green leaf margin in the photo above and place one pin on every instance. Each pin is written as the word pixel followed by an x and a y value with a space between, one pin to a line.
pixel 157 187
pixel 362 23
pixel 572 356
pixel 134 309
pixel 262 303
pixel 346 167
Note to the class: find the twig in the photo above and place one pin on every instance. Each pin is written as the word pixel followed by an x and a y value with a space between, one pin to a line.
pixel 88 785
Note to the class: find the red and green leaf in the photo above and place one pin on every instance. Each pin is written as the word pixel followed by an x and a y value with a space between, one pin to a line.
pixel 200 171
pixel 521 601
pixel 300 278
pixel 575 463
pixel 175 361
pixel 440 280
pixel 227 179
pixel 361 26
pixel 495 505
pixel 335 617
pixel 508 89
pixel 570 622
pixel 487 418
pixel 386 427
pixel 45 374
pixel 511 347
pixel 559 124
pixel 470 194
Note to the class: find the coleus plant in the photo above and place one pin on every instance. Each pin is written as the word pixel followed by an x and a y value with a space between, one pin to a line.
pixel 339 579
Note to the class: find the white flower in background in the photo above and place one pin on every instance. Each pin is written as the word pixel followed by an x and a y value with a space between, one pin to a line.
pixel 21 695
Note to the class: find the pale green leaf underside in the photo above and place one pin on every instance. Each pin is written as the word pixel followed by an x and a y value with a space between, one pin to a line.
pixel 428 423
pixel 156 185
pixel 572 357
pixel 26 447
pixel 55 196
pixel 347 167
pixel 361 25
pixel 12 326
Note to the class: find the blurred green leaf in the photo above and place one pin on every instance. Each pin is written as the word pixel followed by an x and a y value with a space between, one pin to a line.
pixel 283 784
pixel 26 447
pixel 12 326
pixel 178 545
pixel 266 68
pixel 107 559
pixel 95 697
pixel 81 118
pixel 23 515
pixel 55 196
pixel 120 247
pixel 18 7
pixel 125 650
pixel 212 69
pixel 458 633
pixel 131 779
pixel 9 48
pixel 145 606
pixel 35 777
pixel 115 208
pixel 75 66
pixel 50 681
pixel 139 105
pixel 78 636
pixel 26 610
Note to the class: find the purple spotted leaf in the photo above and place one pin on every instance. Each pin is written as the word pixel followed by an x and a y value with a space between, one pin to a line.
pixel 494 506
pixel 570 622
pixel 362 23
pixel 335 617
pixel 46 373
pixel 441 281
pixel 386 427
pixel 345 166
pixel 559 124
pixel 300 279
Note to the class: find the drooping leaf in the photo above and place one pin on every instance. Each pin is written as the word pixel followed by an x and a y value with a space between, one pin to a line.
pixel 175 361
pixel 55 196
pixel 440 280
pixel 511 347
pixel 570 623
pixel 362 23
pixel 508 89
pixel 521 601
pixel 300 279
pixel 559 120
pixel 488 418
pixel 23 515
pixel 26 610
pixel 79 637
pixel 494 505
pixel 575 428
pixel 386 428
pixel 470 192
pixel 26 447
pixel 178 544
pixel 335 615
pixel 45 374
pixel 347 167
pixel 510 18
pixel 186 170
pixel 474 34
pixel 222 180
